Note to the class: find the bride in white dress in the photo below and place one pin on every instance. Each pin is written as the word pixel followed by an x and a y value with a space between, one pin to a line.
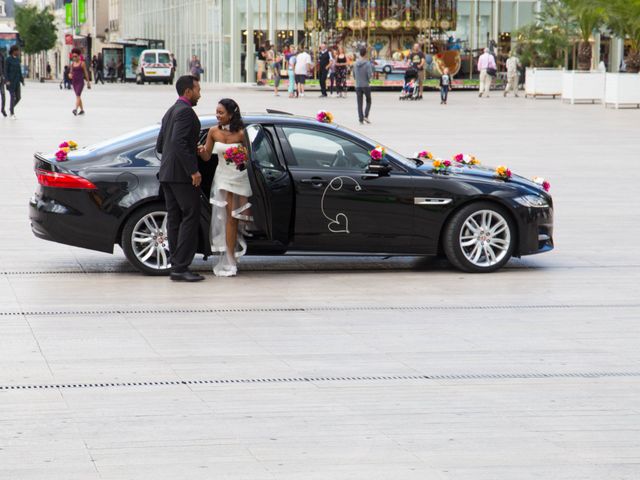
pixel 230 192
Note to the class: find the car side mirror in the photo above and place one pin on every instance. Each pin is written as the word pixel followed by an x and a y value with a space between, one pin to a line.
pixel 382 169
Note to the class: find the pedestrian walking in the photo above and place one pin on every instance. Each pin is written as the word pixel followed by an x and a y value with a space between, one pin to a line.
pixel 324 61
pixel 195 67
pixel 362 73
pixel 342 64
pixel 291 65
pixel 174 66
pixel 487 69
pixel 513 68
pixel 302 69
pixel 445 85
pixel 2 80
pixel 262 60
pixel 276 66
pixel 418 60
pixel 100 69
pixel 180 179
pixel 78 75
pixel 332 71
pixel 94 68
pixel 14 79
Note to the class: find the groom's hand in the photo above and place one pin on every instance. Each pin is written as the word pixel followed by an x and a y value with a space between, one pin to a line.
pixel 196 179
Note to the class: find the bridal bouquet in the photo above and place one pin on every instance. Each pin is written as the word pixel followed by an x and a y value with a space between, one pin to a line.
pixel 236 155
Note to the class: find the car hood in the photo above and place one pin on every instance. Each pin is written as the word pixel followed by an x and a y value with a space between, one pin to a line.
pixel 480 172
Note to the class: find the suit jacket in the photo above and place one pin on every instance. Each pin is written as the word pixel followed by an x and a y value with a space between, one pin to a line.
pixel 178 144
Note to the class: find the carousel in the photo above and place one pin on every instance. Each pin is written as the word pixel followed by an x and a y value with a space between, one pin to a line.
pixel 389 27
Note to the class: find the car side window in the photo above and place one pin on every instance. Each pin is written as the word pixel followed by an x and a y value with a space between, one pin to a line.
pixel 319 150
pixel 262 151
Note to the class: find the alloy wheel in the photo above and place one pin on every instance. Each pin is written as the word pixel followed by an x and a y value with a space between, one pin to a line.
pixel 485 238
pixel 149 241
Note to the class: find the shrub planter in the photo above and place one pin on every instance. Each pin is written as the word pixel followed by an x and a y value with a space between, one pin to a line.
pixel 583 86
pixel 543 82
pixel 622 89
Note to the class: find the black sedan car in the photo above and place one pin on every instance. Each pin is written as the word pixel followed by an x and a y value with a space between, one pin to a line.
pixel 315 190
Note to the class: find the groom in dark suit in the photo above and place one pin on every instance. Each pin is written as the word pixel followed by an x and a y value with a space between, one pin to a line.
pixel 180 178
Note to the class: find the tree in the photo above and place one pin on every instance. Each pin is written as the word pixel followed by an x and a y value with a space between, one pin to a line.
pixel 547 41
pixel 623 19
pixel 589 16
pixel 36 28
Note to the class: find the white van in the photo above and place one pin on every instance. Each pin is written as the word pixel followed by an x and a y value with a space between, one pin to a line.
pixel 155 66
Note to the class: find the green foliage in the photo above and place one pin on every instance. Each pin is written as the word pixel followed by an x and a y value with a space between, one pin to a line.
pixel 623 19
pixel 546 43
pixel 36 28
pixel 589 15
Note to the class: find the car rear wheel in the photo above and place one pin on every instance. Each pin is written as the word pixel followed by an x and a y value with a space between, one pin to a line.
pixel 480 238
pixel 145 242
pixel 387 69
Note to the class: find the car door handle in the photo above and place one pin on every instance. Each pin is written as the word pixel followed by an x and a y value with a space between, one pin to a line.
pixel 316 182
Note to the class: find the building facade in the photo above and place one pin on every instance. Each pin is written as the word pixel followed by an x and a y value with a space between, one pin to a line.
pixel 217 31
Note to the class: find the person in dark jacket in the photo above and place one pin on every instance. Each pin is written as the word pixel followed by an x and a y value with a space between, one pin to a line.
pixel 14 79
pixel 180 178
pixel 324 60
pixel 3 99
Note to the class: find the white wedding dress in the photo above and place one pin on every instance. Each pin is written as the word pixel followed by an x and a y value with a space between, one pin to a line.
pixel 228 179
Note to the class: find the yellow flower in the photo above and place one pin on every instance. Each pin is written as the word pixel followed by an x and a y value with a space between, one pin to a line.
pixel 474 161
pixel 330 117
pixel 437 163
pixel 73 145
pixel 65 149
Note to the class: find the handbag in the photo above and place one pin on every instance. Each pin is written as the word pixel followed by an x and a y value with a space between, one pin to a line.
pixel 492 72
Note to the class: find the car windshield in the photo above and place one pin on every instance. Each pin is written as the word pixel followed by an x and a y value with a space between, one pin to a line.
pixel 392 153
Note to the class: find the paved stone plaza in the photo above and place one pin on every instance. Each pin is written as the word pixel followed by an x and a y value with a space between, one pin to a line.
pixel 332 368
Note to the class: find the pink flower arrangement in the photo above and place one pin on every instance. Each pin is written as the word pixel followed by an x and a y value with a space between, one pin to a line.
pixel 546 186
pixel 377 153
pixel 441 166
pixel 65 148
pixel 503 172
pixel 324 116
pixel 236 155
pixel 466 159
pixel 424 154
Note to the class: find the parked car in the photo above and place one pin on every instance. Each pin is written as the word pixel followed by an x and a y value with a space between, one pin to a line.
pixel 315 189
pixel 390 66
pixel 154 66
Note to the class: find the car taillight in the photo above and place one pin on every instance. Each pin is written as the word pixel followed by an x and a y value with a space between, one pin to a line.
pixel 63 180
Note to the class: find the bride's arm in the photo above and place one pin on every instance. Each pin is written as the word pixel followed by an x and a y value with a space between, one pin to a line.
pixel 205 152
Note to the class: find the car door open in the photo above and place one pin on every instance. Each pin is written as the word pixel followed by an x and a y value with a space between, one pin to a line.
pixel 272 200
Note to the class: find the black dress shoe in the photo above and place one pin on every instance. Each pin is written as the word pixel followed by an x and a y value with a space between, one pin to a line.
pixel 186 277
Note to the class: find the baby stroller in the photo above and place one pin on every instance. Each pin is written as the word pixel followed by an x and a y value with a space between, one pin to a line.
pixel 411 87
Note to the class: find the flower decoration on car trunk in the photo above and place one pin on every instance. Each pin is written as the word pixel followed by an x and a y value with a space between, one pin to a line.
pixel 64 148
pixel 236 155
pixel 378 153
pixel 466 159
pixel 441 166
pixel 503 172
pixel 546 186
pixel 324 116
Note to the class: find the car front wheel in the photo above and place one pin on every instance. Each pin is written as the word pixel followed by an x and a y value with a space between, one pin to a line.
pixel 387 69
pixel 145 242
pixel 480 238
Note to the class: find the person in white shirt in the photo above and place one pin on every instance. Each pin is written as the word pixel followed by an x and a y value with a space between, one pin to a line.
pixel 302 68
pixel 513 64
pixel 486 64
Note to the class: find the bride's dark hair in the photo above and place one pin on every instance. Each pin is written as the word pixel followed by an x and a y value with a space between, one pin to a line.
pixel 235 124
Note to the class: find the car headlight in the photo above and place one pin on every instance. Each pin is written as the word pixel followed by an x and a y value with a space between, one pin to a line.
pixel 534 201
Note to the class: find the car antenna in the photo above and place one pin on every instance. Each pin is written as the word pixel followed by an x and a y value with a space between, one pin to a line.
pixel 269 110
